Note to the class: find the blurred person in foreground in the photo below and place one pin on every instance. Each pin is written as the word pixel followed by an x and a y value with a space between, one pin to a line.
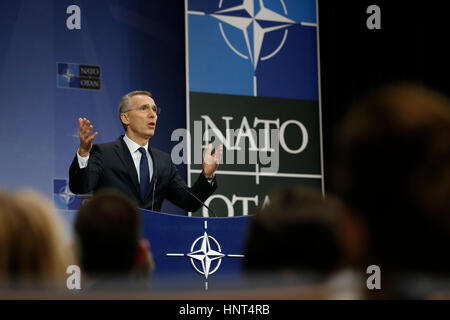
pixel 394 170
pixel 34 253
pixel 110 250
pixel 302 239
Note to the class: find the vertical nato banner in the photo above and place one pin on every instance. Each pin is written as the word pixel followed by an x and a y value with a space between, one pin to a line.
pixel 253 85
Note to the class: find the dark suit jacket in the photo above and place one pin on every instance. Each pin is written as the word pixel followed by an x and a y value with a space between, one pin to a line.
pixel 111 166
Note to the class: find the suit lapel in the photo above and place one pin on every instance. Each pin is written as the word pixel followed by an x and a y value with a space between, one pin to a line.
pixel 124 155
pixel 155 170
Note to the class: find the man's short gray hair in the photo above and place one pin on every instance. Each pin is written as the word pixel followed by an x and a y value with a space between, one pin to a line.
pixel 125 102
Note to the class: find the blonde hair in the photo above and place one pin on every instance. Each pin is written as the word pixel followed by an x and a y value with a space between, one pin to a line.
pixel 32 248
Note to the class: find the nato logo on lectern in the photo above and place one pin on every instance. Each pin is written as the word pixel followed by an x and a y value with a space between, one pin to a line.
pixel 205 254
pixel 253 47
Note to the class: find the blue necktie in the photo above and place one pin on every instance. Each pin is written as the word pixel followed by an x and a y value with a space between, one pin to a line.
pixel 144 173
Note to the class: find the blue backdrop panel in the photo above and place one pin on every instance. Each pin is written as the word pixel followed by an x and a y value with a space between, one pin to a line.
pixel 136 44
pixel 219 59
pixel 250 60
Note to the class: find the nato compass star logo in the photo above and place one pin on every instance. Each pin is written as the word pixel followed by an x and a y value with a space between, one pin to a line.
pixel 205 255
pixel 255 22
pixel 78 76
pixel 66 195
pixel 68 75
pixel 63 198
pixel 244 18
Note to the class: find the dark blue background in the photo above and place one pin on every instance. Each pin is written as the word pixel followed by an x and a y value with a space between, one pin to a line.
pixel 138 45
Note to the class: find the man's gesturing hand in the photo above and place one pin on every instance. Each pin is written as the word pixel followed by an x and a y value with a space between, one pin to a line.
pixel 211 162
pixel 85 129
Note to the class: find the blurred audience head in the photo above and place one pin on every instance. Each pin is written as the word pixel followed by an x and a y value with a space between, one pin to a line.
pixel 33 252
pixel 394 169
pixel 108 234
pixel 300 232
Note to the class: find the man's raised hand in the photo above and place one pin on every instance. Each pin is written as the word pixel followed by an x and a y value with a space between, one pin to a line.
pixel 85 130
pixel 211 162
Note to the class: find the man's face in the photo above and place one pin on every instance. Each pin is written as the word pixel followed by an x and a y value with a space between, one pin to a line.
pixel 141 117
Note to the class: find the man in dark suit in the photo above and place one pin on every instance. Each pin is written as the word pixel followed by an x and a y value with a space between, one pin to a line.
pixel 130 165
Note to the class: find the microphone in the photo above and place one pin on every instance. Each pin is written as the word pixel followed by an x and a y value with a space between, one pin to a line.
pixel 203 204
pixel 153 196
